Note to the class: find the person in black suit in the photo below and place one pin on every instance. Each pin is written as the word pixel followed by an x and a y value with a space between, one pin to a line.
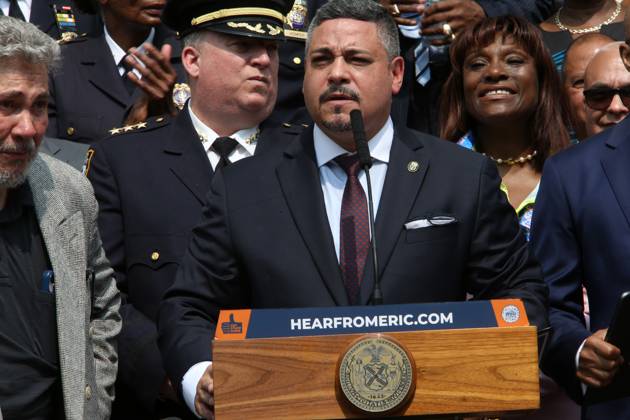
pixel 295 235
pixel 151 179
pixel 92 93
pixel 61 19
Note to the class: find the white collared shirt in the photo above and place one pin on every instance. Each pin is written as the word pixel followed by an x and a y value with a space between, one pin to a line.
pixel 118 53
pixel 333 177
pixel 245 148
pixel 25 7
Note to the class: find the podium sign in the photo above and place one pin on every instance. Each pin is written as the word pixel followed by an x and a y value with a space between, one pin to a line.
pixel 477 357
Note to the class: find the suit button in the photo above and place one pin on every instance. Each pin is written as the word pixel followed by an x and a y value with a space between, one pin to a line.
pixel 88 392
pixel 70 131
pixel 155 256
pixel 297 60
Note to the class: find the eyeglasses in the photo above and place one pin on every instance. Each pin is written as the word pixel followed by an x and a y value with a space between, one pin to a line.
pixel 599 98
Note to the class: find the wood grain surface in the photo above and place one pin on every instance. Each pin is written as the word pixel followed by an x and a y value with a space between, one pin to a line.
pixel 489 370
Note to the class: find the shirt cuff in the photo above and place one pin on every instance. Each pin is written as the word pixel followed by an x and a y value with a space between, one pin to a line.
pixel 189 384
pixel 577 365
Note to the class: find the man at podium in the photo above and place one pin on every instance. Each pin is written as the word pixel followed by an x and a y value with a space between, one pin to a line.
pixel 292 229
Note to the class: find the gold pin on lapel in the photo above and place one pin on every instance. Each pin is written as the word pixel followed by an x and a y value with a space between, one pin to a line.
pixel 413 166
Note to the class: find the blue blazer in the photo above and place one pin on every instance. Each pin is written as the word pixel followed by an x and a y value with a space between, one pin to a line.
pixel 581 235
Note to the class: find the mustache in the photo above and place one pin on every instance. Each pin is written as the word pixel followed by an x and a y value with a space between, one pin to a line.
pixel 26 145
pixel 343 90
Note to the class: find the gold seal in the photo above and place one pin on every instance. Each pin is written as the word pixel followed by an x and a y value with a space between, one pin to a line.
pixel 413 166
pixel 376 374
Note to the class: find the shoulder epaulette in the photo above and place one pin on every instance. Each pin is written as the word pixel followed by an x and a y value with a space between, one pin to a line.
pixel 150 124
pixel 71 38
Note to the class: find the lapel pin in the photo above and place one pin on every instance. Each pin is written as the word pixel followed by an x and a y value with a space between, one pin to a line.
pixel 413 166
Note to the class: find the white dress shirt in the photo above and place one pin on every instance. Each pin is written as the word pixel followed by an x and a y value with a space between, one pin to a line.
pixel 118 53
pixel 25 7
pixel 333 180
pixel 246 140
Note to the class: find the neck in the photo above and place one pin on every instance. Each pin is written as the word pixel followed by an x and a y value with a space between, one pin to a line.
pixel 579 12
pixel 126 35
pixel 493 141
pixel 3 197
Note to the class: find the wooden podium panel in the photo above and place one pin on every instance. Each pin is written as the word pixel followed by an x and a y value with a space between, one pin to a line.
pixel 480 370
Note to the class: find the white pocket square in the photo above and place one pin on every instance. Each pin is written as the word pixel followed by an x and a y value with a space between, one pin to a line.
pixel 432 221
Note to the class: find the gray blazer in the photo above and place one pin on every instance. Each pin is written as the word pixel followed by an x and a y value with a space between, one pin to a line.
pixel 87 299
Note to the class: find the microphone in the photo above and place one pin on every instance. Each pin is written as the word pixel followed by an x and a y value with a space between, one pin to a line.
pixel 363 151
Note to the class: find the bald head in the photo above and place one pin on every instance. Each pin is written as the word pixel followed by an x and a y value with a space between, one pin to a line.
pixel 606 71
pixel 578 55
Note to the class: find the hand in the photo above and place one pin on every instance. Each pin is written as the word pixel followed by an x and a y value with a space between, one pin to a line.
pixel 158 79
pixel 459 14
pixel 397 7
pixel 204 398
pixel 599 361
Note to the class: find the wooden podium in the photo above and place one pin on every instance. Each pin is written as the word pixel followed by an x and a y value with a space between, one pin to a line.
pixel 488 367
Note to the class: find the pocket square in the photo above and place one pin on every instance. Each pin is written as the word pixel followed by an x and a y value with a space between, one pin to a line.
pixel 429 222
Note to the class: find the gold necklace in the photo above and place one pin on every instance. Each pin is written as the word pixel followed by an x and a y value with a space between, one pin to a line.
pixel 513 161
pixel 590 29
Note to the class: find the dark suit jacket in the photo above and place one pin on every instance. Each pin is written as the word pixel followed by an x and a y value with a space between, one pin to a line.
pixel 74 154
pixel 265 242
pixel 150 185
pixel 581 235
pixel 87 95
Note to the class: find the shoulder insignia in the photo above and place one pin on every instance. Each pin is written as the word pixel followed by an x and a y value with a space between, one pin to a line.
pixel 88 161
pixel 294 128
pixel 151 123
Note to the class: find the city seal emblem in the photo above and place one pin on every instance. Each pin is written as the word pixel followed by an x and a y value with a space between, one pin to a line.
pixel 376 375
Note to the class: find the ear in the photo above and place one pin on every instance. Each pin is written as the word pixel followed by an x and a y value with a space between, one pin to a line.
pixel 624 51
pixel 191 61
pixel 397 68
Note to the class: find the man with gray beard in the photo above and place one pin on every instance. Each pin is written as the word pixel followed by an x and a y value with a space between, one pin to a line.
pixel 58 299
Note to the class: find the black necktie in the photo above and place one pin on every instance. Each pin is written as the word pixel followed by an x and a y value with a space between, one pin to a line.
pixel 129 85
pixel 223 146
pixel 14 10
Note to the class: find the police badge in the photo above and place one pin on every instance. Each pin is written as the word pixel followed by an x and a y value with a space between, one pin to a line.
pixel 296 21
pixel 377 375
pixel 181 93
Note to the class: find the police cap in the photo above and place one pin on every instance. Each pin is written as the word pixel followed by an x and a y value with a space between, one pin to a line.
pixel 251 18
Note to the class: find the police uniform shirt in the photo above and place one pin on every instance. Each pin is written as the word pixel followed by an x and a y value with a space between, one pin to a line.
pixel 25 8
pixel 246 140
pixel 118 53
pixel 30 385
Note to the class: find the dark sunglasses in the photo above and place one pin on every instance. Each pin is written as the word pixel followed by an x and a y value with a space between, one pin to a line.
pixel 600 98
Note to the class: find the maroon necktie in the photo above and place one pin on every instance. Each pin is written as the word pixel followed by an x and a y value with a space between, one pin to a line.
pixel 354 228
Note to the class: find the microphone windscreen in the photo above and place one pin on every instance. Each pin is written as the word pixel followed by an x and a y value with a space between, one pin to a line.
pixel 356 121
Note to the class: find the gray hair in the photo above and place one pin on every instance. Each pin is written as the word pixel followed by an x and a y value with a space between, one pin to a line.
pixel 364 10
pixel 22 40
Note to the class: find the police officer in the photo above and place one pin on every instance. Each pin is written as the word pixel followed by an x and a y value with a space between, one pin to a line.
pixel 61 19
pixel 97 85
pixel 151 178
